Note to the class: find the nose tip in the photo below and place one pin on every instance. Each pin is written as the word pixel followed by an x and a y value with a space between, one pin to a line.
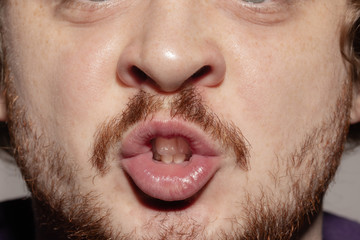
pixel 169 68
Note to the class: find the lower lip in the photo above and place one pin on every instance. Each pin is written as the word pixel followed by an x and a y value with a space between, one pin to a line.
pixel 170 182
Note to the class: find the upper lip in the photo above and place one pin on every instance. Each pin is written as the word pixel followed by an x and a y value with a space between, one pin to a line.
pixel 138 139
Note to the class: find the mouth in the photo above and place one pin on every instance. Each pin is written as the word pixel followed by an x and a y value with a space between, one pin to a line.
pixel 169 160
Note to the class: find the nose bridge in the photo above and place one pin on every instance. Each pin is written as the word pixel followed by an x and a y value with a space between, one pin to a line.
pixel 170 48
pixel 169 39
pixel 169 25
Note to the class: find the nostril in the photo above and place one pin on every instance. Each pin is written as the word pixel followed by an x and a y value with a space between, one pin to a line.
pixel 138 74
pixel 141 77
pixel 165 66
pixel 205 74
pixel 202 72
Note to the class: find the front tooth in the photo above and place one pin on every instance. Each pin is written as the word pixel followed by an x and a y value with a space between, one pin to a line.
pixel 179 158
pixel 167 159
pixel 171 150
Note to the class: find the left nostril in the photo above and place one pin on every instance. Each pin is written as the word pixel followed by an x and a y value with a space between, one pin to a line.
pixel 202 72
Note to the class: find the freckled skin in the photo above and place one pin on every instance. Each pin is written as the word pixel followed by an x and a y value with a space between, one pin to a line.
pixel 276 76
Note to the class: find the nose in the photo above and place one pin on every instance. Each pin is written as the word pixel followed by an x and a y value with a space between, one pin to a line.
pixel 170 50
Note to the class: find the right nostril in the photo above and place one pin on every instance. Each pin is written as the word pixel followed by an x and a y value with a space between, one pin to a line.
pixel 138 74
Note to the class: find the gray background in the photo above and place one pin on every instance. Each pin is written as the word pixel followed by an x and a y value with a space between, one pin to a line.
pixel 343 197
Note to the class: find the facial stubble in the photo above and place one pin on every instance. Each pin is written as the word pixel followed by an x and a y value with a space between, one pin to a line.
pixel 56 190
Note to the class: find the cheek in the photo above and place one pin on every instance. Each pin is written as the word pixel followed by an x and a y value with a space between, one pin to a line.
pixel 80 83
pixel 67 81
pixel 85 90
pixel 280 94
pixel 85 79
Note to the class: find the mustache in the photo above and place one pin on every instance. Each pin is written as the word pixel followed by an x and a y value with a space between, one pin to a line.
pixel 188 105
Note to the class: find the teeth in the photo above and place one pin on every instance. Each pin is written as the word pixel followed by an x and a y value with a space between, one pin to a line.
pixel 179 158
pixel 171 150
pixel 167 158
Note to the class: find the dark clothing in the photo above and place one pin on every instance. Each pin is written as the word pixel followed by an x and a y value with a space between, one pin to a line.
pixel 337 228
pixel 17 220
pixel 16 223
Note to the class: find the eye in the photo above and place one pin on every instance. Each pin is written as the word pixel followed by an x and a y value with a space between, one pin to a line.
pixel 89 11
pixel 84 3
pixel 267 6
pixel 262 12
pixel 254 1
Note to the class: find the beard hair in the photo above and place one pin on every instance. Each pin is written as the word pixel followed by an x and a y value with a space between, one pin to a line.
pixel 63 208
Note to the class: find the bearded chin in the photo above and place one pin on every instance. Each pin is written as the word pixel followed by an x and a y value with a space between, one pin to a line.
pixel 63 209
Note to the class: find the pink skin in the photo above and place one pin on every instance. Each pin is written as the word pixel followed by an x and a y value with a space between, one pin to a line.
pixel 276 72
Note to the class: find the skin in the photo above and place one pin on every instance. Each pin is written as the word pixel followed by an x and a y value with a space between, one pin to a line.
pixel 277 74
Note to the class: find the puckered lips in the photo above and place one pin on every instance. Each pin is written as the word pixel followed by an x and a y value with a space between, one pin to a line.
pixel 169 160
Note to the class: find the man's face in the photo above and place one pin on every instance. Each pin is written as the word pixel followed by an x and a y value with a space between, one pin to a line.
pixel 177 119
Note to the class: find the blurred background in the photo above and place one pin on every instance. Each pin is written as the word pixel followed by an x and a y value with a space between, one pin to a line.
pixel 343 197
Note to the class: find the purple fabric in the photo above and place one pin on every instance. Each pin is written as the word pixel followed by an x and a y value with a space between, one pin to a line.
pixel 338 228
